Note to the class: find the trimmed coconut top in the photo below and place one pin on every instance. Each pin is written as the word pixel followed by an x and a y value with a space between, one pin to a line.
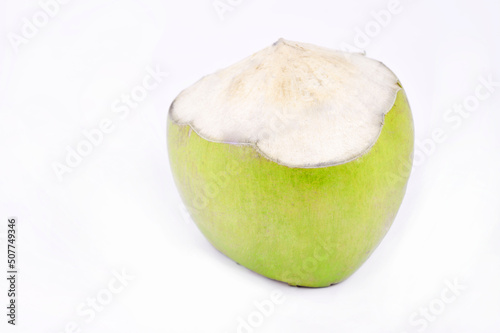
pixel 300 105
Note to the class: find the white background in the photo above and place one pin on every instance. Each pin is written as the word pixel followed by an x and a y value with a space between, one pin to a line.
pixel 119 209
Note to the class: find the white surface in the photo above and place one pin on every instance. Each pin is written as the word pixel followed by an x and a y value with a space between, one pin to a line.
pixel 298 104
pixel 118 209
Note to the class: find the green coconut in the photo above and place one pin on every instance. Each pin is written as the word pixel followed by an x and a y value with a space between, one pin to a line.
pixel 294 161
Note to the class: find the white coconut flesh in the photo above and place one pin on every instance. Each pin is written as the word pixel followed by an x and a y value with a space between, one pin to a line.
pixel 299 105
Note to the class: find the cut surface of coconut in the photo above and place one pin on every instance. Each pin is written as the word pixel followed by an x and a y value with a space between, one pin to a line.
pixel 300 105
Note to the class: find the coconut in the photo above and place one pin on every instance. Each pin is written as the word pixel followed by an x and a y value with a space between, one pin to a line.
pixel 294 161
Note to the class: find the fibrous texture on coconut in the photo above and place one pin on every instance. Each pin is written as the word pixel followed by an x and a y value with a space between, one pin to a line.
pixel 300 105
